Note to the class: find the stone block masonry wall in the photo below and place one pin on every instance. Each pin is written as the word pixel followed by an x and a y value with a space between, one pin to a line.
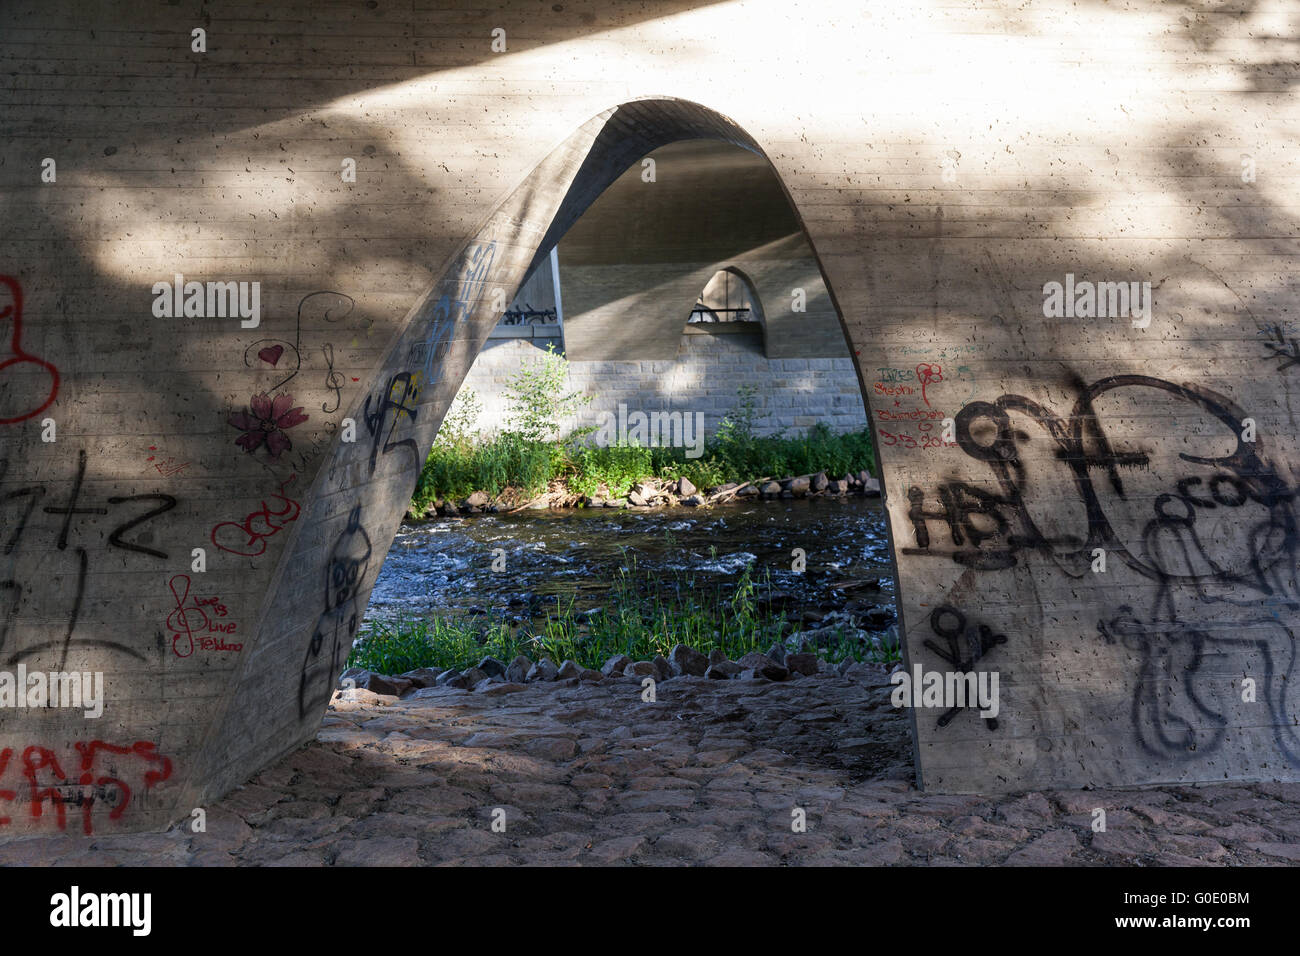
pixel 793 394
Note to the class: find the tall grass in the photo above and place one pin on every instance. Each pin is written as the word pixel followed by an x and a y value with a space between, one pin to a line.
pixel 640 618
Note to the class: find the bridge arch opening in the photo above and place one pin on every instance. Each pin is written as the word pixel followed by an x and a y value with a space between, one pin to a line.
pixel 454 567
pixel 357 499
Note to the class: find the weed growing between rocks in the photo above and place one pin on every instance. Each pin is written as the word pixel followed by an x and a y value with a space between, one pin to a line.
pixel 643 618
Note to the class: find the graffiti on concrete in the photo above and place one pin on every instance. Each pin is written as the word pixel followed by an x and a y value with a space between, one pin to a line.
pixel 198 618
pixel 249 536
pixel 46 783
pixel 345 573
pixel 134 515
pixel 1170 518
pixel 22 395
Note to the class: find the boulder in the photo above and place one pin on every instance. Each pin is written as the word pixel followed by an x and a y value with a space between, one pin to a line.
pixel 770 489
pixel 468 678
pixel 569 668
pixel 383 684
pixel 799 486
pixel 590 676
pixel 763 666
pixel 478 499
pixel 517 672
pixel 544 669
pixel 802 663
pixel 615 665
pixel 871 487
pixel 492 667
pixel 685 488
pixel 717 655
pixel 820 481
pixel 777 653
pixel 639 669
pixel 423 676
pixel 723 670
pixel 687 660
pixel 635 498
pixel 663 669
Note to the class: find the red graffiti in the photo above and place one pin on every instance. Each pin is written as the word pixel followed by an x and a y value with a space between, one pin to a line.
pixel 107 787
pixel 186 620
pixel 17 357
pixel 928 374
pixel 264 523
pixel 168 466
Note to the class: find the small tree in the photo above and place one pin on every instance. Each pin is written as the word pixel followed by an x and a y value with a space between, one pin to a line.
pixel 538 399
pixel 459 426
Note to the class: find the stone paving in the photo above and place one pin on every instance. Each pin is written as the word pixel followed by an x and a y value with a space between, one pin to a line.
pixel 585 772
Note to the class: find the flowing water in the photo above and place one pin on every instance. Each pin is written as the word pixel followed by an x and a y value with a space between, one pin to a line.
pixel 445 567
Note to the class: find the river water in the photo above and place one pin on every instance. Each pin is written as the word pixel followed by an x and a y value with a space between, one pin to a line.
pixel 445 567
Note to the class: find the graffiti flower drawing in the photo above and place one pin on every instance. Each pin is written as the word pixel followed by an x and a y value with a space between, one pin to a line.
pixel 266 421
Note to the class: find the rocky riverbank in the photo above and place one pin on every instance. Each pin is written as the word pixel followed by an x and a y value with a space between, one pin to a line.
pixel 659 493
pixel 778 664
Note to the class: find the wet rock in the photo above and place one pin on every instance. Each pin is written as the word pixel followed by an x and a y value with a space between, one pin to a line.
pixel 687 660
pixel 616 665
pixel 685 488
pixel 871 487
pixel 544 669
pixel 694 501
pixel 749 491
pixel 799 486
pixel 837 487
pixel 723 670
pixel 616 503
pixel 770 489
pixel 802 663
pixel 569 668
pixel 492 667
pixel 517 672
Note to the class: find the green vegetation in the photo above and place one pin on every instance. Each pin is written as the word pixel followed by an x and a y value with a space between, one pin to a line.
pixel 642 617
pixel 528 453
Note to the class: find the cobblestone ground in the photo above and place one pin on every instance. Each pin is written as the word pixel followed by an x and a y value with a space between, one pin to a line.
pixel 586 773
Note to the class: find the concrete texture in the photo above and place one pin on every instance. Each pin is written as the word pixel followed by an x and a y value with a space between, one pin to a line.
pixel 704 376
pixel 945 162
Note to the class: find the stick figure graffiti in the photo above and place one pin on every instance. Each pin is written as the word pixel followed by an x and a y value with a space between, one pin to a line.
pixel 348 565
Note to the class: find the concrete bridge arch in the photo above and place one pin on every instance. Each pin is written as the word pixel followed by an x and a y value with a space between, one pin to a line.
pixel 940 211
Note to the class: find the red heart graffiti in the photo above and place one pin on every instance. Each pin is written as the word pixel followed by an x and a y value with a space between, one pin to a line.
pixel 271 354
